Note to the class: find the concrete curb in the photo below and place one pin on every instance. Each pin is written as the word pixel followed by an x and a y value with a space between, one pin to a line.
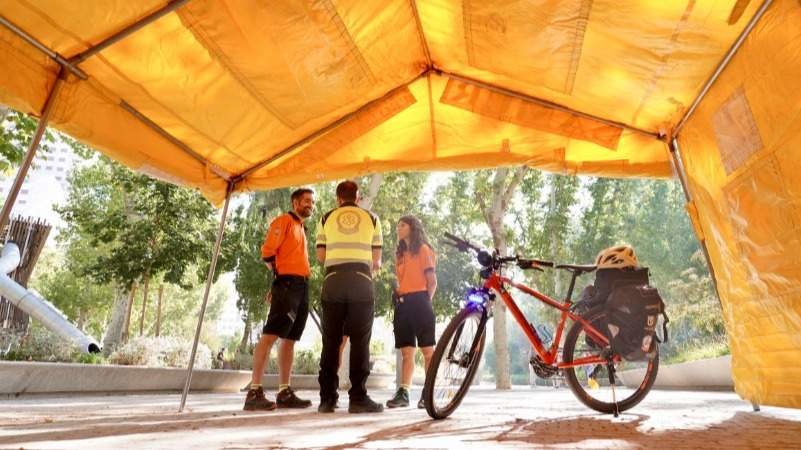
pixel 17 378
pixel 713 373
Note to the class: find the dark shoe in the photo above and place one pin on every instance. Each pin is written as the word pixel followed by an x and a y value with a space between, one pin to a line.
pixel 327 406
pixel 421 404
pixel 400 400
pixel 288 399
pixel 256 401
pixel 365 405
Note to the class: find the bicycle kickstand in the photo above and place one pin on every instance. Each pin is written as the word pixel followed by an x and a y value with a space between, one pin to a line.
pixel 611 369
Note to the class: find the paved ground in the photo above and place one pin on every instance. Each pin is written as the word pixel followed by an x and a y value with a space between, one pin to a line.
pixel 517 419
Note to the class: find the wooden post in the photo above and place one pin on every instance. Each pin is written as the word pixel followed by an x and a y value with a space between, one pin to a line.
pixel 127 326
pixel 144 306
pixel 158 310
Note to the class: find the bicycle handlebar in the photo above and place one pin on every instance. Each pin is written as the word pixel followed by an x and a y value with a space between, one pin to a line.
pixel 494 260
pixel 460 244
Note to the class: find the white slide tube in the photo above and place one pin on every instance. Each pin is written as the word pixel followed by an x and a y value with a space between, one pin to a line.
pixel 37 307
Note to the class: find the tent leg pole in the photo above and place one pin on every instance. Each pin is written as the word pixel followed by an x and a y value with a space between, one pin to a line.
pixel 22 172
pixel 209 279
pixel 678 166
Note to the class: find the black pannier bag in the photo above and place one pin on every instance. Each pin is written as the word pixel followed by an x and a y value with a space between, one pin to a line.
pixel 607 280
pixel 632 313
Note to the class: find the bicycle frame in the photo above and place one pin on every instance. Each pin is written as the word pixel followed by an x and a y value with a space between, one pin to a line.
pixel 497 283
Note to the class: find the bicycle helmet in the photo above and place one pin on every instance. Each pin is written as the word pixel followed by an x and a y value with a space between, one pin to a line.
pixel 619 257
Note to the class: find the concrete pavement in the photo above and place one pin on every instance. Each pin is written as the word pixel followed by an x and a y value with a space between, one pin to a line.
pixel 521 418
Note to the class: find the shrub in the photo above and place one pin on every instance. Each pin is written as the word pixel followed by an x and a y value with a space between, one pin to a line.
pixel 160 352
pixel 40 344
pixel 307 362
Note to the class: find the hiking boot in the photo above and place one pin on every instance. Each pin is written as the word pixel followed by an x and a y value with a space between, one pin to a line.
pixel 327 406
pixel 256 401
pixel 288 399
pixel 421 404
pixel 365 405
pixel 400 400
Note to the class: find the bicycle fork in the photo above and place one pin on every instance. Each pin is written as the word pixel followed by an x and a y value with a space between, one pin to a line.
pixel 466 360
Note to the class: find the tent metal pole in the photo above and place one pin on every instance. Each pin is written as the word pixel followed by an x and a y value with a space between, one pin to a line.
pixel 127 31
pixel 545 103
pixel 209 279
pixel 175 141
pixel 41 47
pixel 681 174
pixel 22 172
pixel 723 63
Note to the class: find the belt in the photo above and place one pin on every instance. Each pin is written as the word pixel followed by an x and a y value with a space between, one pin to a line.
pixel 349 267
pixel 292 278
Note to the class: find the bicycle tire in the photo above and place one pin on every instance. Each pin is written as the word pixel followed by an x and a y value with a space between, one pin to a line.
pixel 454 328
pixel 651 370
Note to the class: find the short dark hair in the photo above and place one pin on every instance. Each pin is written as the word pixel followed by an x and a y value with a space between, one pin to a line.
pixel 347 190
pixel 298 193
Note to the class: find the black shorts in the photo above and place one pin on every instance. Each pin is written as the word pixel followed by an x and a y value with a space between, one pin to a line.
pixel 289 308
pixel 414 321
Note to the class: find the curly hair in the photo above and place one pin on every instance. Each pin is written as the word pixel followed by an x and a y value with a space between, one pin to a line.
pixel 417 237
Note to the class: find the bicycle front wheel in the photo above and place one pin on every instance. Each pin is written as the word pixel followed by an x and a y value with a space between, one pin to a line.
pixel 455 362
pixel 590 383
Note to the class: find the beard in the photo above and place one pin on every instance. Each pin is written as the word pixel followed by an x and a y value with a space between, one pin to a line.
pixel 305 212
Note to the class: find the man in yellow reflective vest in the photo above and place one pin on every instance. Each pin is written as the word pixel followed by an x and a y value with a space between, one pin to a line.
pixel 349 246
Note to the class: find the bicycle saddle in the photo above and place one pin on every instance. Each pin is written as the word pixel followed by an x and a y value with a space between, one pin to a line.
pixel 578 269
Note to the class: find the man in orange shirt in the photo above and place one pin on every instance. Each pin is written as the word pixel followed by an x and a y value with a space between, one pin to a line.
pixel 286 254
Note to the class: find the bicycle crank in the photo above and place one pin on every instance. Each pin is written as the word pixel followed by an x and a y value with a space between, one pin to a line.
pixel 541 369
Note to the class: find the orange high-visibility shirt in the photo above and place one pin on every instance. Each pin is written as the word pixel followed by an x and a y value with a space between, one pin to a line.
pixel 285 246
pixel 411 270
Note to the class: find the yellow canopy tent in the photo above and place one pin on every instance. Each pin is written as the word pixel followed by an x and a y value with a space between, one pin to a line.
pixel 236 95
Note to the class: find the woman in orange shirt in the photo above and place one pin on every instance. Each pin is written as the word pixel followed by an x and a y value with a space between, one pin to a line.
pixel 415 264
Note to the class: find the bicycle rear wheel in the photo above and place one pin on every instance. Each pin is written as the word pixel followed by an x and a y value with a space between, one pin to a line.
pixel 455 362
pixel 633 379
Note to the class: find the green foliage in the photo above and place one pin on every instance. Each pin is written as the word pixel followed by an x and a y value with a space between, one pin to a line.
pixel 79 298
pixel 144 227
pixel 91 358
pixel 40 344
pixel 160 352
pixel 16 133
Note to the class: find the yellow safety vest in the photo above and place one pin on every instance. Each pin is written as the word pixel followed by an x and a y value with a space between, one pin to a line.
pixel 349 234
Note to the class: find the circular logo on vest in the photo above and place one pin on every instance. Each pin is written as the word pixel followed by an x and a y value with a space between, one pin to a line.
pixel 348 222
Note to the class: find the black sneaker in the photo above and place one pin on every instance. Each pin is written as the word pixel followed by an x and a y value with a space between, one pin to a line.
pixel 288 399
pixel 256 401
pixel 421 404
pixel 327 406
pixel 365 405
pixel 400 400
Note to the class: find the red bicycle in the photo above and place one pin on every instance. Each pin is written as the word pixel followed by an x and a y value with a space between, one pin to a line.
pixel 590 367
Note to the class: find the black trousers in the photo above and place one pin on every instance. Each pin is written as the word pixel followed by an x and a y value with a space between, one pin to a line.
pixel 348 301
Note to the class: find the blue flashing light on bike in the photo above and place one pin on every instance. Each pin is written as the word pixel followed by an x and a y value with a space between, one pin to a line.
pixel 477 296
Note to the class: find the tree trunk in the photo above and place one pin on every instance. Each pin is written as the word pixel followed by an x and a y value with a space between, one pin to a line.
pixel 372 191
pixel 4 111
pixel 128 311
pixel 144 305
pixel 501 195
pixel 116 326
pixel 243 344
pixel 555 241
pixel 158 310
